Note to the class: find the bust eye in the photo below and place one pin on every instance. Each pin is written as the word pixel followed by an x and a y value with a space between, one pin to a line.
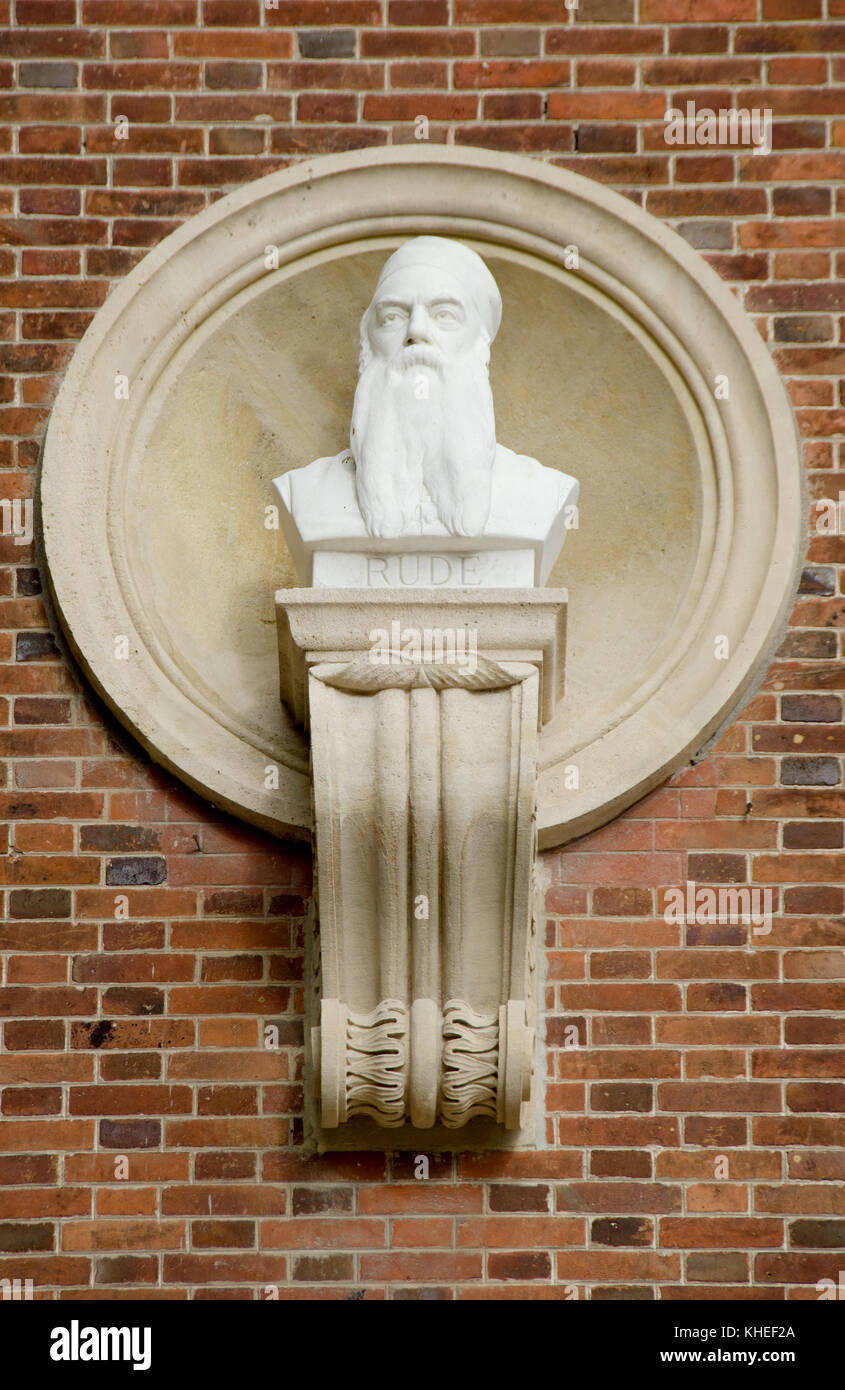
pixel 391 316
pixel 445 315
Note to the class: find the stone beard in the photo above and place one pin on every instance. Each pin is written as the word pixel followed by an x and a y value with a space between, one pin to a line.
pixel 421 419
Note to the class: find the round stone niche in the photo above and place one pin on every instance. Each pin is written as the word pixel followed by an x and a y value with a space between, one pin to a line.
pixel 230 355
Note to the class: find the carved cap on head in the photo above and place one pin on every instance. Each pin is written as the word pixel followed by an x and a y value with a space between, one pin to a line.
pixel 458 261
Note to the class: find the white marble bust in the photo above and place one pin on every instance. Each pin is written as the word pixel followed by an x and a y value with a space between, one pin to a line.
pixel 423 472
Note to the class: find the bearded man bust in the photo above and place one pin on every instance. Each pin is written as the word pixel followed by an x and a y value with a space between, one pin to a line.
pixel 423 475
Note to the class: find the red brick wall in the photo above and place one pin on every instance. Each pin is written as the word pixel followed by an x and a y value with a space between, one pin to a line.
pixel 143 1037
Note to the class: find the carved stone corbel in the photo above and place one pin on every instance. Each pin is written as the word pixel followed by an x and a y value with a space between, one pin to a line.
pixel 424 775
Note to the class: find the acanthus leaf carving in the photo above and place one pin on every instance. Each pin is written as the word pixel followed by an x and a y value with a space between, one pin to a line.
pixel 377 1063
pixel 470 1064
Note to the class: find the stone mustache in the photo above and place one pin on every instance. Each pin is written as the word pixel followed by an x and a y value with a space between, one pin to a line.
pixel 423 762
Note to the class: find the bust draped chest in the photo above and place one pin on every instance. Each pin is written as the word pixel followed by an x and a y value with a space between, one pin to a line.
pixel 531 508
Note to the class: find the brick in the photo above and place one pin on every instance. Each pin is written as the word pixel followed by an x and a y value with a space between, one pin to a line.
pixel 25 1203
pixel 235 1132
pixel 514 106
pixel 45 11
pixel 795 868
pixel 35 646
pixel 728 1232
pixel 622 1096
pixel 225 141
pixel 126 1269
pixel 506 43
pixel 515 136
pixel 795 1061
pixel 228 76
pixel 815 1096
pixel 606 139
pixel 138 45
pixel 504 11
pixel 132 1066
pixel 332 1268
pixel 577 1266
pixel 520 1265
pixel 717 868
pixel 577 39
pixel 141 76
pixel 814 900
pixel 52 1135
pixel 602 72
pixel 421 43
pixel 231 12
pixel 619 1292
pixel 34 1036
pixel 218 1235
pixel 222 1199
pixel 46 1001
pixel 135 871
pixel 605 11
pixel 813 835
pixel 162 12
pixel 803 328
pixel 313 1201
pixel 130 1134
pixel 53 868
pixel 49 903
pixel 123 1235
pixel 499 73
pixel 41 1169
pixel 398 1198
pixel 798 1130
pixel 622 902
pixel 619 1197
pixel 112 837
pixel 519 1197
pixel 61 75
pixel 218 1166
pixel 792 1269
pixel 26 1236
pixel 621 1230
pixel 719 1097
pixel 820 1166
pixel 418 12
pixel 715 1132
pixel 614 1163
pixel 326 43
pixel 314 1234
pixel 41 711
pixel 804 708
pixel 429 1266
pixel 130 1100
pixel 709 1268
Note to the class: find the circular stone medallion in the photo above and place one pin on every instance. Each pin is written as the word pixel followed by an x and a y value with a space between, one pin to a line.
pixel 229 355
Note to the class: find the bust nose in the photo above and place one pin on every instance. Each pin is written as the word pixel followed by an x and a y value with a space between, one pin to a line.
pixel 418 327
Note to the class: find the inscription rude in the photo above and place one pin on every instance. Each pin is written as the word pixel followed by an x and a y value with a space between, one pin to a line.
pixel 424 569
pixel 427 570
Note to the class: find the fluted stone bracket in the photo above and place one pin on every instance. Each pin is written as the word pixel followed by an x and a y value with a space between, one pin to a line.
pixel 424 770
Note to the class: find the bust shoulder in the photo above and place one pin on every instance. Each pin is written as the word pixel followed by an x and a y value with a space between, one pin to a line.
pixel 526 495
pixel 321 499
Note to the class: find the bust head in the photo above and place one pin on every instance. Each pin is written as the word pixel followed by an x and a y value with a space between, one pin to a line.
pixel 423 420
